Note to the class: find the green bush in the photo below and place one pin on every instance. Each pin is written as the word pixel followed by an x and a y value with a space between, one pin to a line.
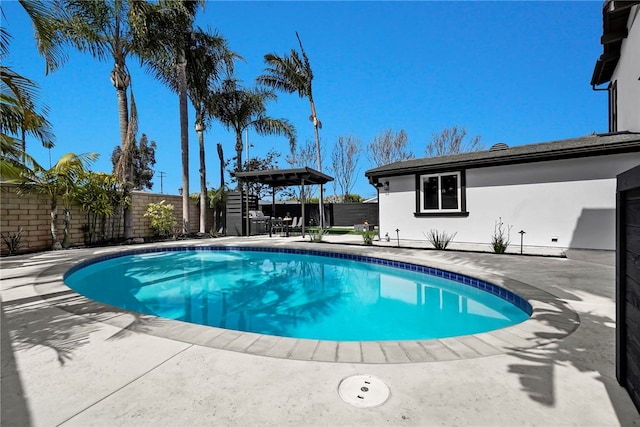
pixel 368 235
pixel 13 240
pixel 161 218
pixel 501 239
pixel 315 234
pixel 439 239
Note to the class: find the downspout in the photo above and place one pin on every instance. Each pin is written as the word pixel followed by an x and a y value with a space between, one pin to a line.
pixel 609 108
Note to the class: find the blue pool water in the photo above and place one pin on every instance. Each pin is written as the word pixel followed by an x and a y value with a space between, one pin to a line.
pixel 293 294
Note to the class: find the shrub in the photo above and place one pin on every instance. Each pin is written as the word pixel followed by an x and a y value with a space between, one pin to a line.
pixel 315 234
pixel 439 239
pixel 161 218
pixel 367 236
pixel 500 240
pixel 13 240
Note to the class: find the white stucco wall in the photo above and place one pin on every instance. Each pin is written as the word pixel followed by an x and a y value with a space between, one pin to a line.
pixel 571 200
pixel 627 73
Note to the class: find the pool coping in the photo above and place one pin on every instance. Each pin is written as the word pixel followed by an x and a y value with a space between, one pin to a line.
pixel 551 320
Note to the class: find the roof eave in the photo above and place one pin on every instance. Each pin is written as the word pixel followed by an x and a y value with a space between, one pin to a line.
pixel 615 15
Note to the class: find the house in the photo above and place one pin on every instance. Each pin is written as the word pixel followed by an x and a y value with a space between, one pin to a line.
pixel 619 65
pixel 561 194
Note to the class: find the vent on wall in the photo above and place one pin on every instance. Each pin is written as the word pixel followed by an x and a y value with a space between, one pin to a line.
pixel 498 146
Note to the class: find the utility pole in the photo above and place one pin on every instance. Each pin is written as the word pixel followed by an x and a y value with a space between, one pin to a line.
pixel 162 175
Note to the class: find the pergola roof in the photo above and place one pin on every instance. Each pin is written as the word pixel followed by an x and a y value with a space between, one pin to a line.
pixel 284 177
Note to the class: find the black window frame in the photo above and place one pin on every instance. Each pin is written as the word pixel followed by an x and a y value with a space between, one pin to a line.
pixel 462 187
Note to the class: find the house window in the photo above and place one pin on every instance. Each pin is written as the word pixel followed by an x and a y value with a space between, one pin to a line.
pixel 440 193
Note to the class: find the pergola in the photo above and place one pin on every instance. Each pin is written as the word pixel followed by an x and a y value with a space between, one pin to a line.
pixel 276 178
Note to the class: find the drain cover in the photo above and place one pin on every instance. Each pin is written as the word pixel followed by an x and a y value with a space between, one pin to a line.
pixel 363 391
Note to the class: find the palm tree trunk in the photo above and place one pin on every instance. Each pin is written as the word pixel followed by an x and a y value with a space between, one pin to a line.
pixel 203 180
pixel 123 113
pixel 220 214
pixel 66 241
pixel 55 243
pixel 184 138
pixel 239 153
pixel 221 157
pixel 314 119
pixel 120 80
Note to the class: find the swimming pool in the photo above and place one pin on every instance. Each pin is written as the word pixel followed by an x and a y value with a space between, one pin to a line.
pixel 295 293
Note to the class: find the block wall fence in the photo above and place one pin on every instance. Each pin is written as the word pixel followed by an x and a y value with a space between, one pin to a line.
pixel 32 213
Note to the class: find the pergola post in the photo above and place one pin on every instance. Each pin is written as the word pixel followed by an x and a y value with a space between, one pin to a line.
pixel 248 223
pixel 303 203
pixel 321 206
pixel 273 209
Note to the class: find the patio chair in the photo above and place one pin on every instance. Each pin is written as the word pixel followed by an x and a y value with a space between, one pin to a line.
pixel 277 226
pixel 296 225
pixel 289 222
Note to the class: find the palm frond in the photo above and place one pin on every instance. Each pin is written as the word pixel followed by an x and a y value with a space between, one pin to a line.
pixel 5 40
pixel 18 112
pixel 95 27
pixel 72 163
pixel 208 59
pixel 285 73
pixel 45 18
pixel 270 126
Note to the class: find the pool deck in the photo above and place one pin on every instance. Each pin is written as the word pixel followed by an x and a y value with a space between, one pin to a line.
pixel 72 362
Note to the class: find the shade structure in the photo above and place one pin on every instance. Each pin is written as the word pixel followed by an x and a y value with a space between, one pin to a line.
pixel 284 178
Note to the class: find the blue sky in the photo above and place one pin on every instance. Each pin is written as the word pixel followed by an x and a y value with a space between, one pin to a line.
pixel 513 72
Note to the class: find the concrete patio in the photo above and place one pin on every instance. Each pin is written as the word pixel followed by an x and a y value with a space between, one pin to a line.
pixel 70 362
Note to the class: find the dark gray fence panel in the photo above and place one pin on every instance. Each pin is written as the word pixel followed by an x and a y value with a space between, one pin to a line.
pixel 336 214
pixel 236 210
pixel 628 283
pixel 350 214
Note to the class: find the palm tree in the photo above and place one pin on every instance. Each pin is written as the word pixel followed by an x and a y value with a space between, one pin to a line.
pixel 208 57
pixel 102 29
pixel 239 109
pixel 219 207
pixel 57 182
pixel 163 32
pixel 292 74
